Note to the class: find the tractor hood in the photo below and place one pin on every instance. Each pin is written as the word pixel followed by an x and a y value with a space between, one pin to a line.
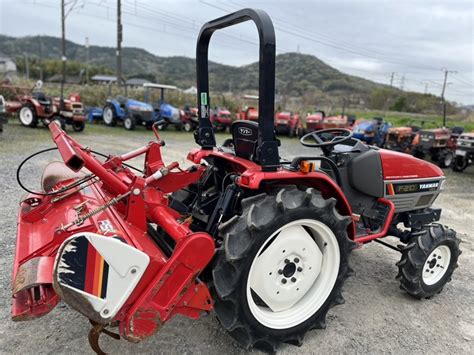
pixel 139 105
pixel 364 127
pixel 169 112
pixel 399 166
pixel 314 117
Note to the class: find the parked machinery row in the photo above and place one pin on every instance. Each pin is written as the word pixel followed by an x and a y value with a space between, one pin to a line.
pixel 444 146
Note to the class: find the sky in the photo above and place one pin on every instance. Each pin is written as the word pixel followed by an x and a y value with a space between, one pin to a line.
pixel 414 39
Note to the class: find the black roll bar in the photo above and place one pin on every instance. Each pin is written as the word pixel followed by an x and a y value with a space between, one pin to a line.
pixel 267 146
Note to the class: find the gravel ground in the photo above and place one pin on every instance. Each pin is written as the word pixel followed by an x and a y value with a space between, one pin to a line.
pixel 377 316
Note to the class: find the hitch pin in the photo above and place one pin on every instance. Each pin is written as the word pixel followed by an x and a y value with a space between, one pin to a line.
pixel 160 173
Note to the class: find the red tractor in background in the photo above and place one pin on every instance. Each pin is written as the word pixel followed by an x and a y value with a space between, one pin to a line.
pixel 221 118
pixel 318 120
pixel 438 144
pixel 264 242
pixel 314 121
pixel 189 118
pixel 248 112
pixel 34 106
pixel 288 123
pixel 400 139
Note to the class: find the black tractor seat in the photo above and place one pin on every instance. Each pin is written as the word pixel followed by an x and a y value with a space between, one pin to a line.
pixel 41 98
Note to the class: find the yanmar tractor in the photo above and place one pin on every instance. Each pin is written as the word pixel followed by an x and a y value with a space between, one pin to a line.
pixel 262 241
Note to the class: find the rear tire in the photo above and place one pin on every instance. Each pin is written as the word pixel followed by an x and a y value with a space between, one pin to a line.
pixel 460 163
pixel 28 116
pixel 428 261
pixel 252 241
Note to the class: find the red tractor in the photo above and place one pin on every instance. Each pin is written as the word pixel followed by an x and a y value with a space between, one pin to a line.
pixel 248 112
pixel 263 242
pixel 34 106
pixel 189 118
pixel 287 123
pixel 315 121
pixel 221 118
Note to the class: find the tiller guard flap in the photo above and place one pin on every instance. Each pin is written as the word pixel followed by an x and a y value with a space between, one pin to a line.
pixel 96 274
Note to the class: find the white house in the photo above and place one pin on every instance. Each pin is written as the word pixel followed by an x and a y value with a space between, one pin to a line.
pixel 6 65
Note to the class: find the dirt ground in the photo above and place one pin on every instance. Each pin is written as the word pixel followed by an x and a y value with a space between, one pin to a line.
pixel 376 318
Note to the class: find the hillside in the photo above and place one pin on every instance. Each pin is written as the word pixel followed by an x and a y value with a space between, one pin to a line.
pixel 302 80
pixel 296 73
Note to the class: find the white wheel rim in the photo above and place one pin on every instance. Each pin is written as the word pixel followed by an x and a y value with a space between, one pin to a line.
pixel 108 115
pixel 448 160
pixel 436 265
pixel 26 116
pixel 309 264
pixel 187 126
pixel 127 123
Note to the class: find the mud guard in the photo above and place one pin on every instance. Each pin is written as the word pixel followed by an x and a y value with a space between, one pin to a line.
pixel 95 274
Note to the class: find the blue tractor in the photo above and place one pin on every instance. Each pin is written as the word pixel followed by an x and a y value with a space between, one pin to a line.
pixel 372 132
pixel 165 113
pixel 130 112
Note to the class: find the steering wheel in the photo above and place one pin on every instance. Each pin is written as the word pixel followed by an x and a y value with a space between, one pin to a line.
pixel 325 138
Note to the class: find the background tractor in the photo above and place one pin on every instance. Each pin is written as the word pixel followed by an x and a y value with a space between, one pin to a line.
pixel 400 139
pixel 128 111
pixel 189 118
pixel 372 132
pixel 263 241
pixel 464 153
pixel 288 123
pixel 221 118
pixel 167 114
pixel 438 144
pixel 249 108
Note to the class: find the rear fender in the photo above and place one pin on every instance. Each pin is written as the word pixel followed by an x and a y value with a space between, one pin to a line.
pixel 317 180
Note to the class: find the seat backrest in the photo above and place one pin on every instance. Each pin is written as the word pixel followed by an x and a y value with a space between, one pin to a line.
pixel 245 135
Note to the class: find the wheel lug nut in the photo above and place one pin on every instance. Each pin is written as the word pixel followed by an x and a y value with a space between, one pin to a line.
pixel 293 279
pixel 434 255
pixel 299 268
pixel 287 261
pixel 283 281
pixel 439 257
pixel 427 270
pixel 296 260
pixel 432 272
pixel 280 271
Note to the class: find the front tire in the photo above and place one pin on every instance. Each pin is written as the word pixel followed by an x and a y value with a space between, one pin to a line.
pixel 281 268
pixel 78 126
pixel 129 123
pixel 428 261
pixel 109 116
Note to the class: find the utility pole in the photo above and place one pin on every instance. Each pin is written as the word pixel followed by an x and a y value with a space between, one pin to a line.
pixel 27 67
pixel 391 79
pixel 87 60
pixel 40 60
pixel 119 43
pixel 426 88
pixel 63 52
pixel 443 90
pixel 402 82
